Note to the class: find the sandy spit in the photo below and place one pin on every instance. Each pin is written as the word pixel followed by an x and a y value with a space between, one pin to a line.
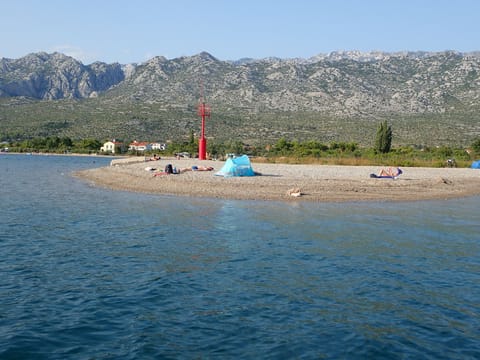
pixel 321 183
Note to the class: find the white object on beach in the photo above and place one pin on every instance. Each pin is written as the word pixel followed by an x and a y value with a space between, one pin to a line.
pixel 295 192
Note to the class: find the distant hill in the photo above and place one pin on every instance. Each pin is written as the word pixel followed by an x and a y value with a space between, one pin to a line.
pixel 430 98
pixel 56 76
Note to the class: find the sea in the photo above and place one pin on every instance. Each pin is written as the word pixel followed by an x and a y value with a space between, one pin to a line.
pixel 91 273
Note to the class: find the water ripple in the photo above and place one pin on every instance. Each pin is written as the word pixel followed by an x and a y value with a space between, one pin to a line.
pixel 95 274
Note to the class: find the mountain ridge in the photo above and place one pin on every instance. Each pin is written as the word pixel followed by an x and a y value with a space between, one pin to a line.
pixel 57 76
pixel 339 85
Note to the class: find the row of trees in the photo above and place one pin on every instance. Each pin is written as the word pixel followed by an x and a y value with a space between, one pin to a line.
pixel 56 144
pixel 297 150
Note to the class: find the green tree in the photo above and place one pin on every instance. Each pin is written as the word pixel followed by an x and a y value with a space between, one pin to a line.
pixel 383 140
pixel 191 140
pixel 235 147
pixel 89 144
pixel 283 146
pixel 476 146
pixel 52 142
pixel 215 149
pixel 67 142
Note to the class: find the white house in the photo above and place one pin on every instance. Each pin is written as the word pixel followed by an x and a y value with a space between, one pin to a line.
pixel 112 147
pixel 139 146
pixel 158 146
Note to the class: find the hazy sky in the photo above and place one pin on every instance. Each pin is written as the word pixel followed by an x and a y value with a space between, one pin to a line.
pixel 136 30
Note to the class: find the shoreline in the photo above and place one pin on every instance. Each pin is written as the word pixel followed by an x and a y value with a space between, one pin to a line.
pixel 62 154
pixel 287 182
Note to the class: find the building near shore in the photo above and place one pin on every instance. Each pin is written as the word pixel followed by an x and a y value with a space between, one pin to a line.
pixel 112 147
pixel 139 146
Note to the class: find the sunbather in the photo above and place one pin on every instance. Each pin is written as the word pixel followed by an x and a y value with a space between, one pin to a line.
pixel 389 173
pixel 202 168
pixel 169 169
pixel 197 168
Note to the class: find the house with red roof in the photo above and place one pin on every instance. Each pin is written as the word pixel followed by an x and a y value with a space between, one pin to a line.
pixel 139 146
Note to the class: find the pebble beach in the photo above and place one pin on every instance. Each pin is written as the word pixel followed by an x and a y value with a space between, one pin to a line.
pixel 285 182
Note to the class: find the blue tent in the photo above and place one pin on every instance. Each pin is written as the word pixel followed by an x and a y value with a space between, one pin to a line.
pixel 476 164
pixel 239 166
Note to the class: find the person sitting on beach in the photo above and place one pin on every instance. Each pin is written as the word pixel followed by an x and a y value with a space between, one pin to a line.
pixel 155 157
pixel 169 170
pixel 388 173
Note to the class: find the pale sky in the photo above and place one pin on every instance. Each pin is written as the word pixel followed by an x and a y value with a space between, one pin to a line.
pixel 137 30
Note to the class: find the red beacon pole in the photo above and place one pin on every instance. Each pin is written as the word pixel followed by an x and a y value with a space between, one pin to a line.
pixel 203 111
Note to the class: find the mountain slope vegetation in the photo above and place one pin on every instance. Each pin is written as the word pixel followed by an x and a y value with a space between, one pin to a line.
pixel 428 98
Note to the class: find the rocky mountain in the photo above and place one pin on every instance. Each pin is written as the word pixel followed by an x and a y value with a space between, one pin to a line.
pixel 56 76
pixel 339 85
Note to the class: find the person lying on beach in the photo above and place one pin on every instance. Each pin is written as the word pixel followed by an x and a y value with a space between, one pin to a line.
pixel 389 173
pixel 169 169
pixel 155 157
pixel 201 168
pixel 161 173
pixel 197 168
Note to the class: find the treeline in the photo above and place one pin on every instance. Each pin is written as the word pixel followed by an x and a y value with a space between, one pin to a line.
pixel 53 144
pixel 284 150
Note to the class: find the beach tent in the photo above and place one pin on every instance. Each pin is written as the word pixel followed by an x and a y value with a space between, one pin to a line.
pixel 476 164
pixel 239 166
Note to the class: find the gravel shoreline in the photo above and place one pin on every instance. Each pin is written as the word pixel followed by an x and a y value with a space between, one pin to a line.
pixel 286 182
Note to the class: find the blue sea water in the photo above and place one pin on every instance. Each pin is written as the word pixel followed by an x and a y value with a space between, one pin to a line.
pixel 89 273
